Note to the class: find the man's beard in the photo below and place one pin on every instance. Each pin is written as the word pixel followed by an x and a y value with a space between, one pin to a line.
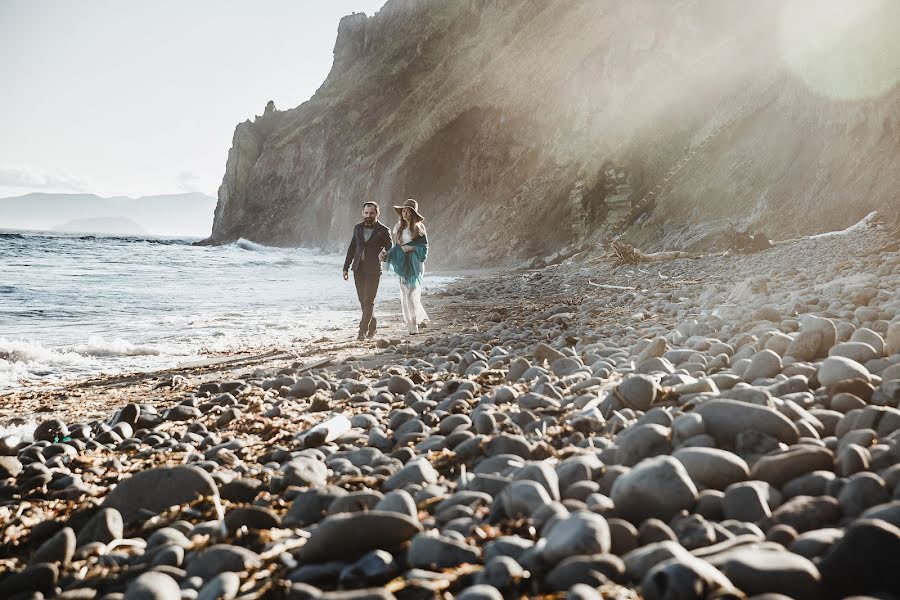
pixel 369 221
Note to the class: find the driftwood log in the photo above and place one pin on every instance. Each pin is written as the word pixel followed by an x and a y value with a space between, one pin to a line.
pixel 623 253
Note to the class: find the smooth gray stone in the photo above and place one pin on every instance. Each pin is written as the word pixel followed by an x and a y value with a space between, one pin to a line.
pixel 805 513
pixel 778 469
pixel 221 558
pixel 862 491
pixel 398 501
pixel 376 565
pixel 685 577
pixel 223 586
pixel 167 535
pixel 837 368
pixel 150 492
pixel 595 570
pixel 712 468
pixel 398 384
pixel 816 543
pixel 507 545
pixel 439 552
pixel 656 487
pixel 104 527
pixel 347 536
pixel 522 498
pixel 747 501
pixel 643 441
pixel 310 506
pixel 863 562
pixel 251 517
pixel 169 554
pixel 759 571
pixel 638 391
pixel 480 592
pixel 153 586
pixel 59 548
pixel 360 501
pixel 889 511
pixel 725 419
pixel 10 467
pixel 541 473
pixel 417 471
pixel 580 533
pixel 37 578
pixel 502 572
pixel 582 591
pixel 318 572
pixel 304 471
pixel 638 562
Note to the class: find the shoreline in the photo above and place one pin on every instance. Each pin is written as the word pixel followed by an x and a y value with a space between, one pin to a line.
pixel 71 393
pixel 549 418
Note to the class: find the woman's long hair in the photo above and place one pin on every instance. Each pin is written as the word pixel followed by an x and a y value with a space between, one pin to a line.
pixel 402 224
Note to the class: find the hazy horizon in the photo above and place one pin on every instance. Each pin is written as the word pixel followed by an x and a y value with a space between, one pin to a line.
pixel 188 214
pixel 123 98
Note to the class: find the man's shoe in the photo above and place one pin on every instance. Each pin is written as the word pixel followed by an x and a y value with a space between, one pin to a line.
pixel 360 337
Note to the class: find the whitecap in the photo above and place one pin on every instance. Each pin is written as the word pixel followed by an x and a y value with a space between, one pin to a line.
pixel 22 352
pixel 98 346
pixel 252 246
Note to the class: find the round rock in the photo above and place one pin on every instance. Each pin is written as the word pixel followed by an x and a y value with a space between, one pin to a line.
pixel 153 586
pixel 657 487
pixel 579 533
pixel 711 467
pixel 725 419
pixel 347 536
pixel 152 491
pixel 838 368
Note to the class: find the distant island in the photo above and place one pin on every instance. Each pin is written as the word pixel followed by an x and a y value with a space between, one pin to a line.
pixel 187 215
pixel 108 225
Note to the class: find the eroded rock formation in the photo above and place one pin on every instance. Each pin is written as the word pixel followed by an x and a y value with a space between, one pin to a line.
pixel 521 127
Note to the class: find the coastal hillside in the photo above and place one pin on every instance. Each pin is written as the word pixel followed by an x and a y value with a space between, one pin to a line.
pixel 187 214
pixel 523 127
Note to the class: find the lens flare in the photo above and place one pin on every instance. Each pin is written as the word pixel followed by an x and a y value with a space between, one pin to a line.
pixel 843 49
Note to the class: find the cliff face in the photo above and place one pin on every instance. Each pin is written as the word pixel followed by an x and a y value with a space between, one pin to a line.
pixel 523 126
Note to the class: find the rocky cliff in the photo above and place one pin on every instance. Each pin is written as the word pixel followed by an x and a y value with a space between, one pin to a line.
pixel 524 126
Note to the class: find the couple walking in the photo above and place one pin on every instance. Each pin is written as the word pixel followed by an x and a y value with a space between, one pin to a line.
pixel 402 251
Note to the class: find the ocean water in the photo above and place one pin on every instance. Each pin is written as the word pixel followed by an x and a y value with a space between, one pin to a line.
pixel 74 305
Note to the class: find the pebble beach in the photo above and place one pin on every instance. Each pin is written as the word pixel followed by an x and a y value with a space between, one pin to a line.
pixel 726 426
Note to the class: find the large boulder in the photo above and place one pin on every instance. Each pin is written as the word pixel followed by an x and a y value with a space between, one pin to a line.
pixel 150 492
pixel 347 536
pixel 725 419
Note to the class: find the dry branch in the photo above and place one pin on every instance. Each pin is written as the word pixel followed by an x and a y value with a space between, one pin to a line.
pixel 623 253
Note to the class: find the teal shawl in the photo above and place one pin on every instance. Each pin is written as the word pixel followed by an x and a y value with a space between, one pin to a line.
pixel 410 266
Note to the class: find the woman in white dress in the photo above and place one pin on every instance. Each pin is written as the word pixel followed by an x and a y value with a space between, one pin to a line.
pixel 407 259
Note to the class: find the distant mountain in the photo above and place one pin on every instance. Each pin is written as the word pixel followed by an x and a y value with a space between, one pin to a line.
pixel 109 225
pixel 176 214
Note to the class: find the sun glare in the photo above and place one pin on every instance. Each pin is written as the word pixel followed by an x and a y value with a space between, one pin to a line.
pixel 844 49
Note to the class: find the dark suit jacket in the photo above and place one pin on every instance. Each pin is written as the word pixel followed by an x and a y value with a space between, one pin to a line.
pixel 363 255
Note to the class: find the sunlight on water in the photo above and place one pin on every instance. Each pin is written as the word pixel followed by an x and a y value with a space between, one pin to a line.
pixel 74 305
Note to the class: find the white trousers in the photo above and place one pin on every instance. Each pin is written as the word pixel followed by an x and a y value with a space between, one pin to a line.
pixel 411 304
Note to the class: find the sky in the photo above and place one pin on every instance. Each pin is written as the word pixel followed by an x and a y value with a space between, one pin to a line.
pixel 136 97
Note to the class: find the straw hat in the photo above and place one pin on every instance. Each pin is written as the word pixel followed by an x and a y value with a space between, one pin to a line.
pixel 412 204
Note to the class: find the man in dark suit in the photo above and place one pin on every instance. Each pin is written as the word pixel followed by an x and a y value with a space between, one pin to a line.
pixel 370 237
